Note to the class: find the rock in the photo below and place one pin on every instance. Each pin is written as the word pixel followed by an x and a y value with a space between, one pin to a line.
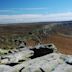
pixel 53 62
pixel 5 68
pixel 45 63
pixel 68 59
pixel 63 68
pixel 15 57
pixel 22 45
pixel 44 59
pixel 31 69
pixel 3 51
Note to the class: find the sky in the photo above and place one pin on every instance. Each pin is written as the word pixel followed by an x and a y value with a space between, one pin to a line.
pixel 22 11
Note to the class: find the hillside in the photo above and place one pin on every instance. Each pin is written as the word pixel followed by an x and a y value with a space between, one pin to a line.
pixel 58 33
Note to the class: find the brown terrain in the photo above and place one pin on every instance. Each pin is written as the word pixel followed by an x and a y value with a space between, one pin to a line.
pixel 63 44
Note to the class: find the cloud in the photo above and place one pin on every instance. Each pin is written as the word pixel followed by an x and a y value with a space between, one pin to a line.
pixel 39 8
pixel 26 18
pixel 21 9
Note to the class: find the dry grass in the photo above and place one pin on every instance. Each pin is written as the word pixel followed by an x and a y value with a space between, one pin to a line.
pixel 63 44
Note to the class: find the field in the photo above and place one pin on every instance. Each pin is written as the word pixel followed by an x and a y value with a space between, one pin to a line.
pixel 9 33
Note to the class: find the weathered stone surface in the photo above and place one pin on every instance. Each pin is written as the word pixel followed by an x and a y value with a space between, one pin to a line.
pixel 53 62
pixel 46 60
pixel 68 59
pixel 47 63
pixel 63 68
pixel 15 57
pixel 5 68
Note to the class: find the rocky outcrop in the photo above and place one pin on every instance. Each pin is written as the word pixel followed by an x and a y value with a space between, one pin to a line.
pixel 43 58
pixel 16 56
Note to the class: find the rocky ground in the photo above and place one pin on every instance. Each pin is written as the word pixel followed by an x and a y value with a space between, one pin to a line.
pixel 28 60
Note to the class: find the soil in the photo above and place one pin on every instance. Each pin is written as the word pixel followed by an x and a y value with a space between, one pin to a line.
pixel 63 44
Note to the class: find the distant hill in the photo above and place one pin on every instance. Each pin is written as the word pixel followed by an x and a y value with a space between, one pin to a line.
pixel 61 26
